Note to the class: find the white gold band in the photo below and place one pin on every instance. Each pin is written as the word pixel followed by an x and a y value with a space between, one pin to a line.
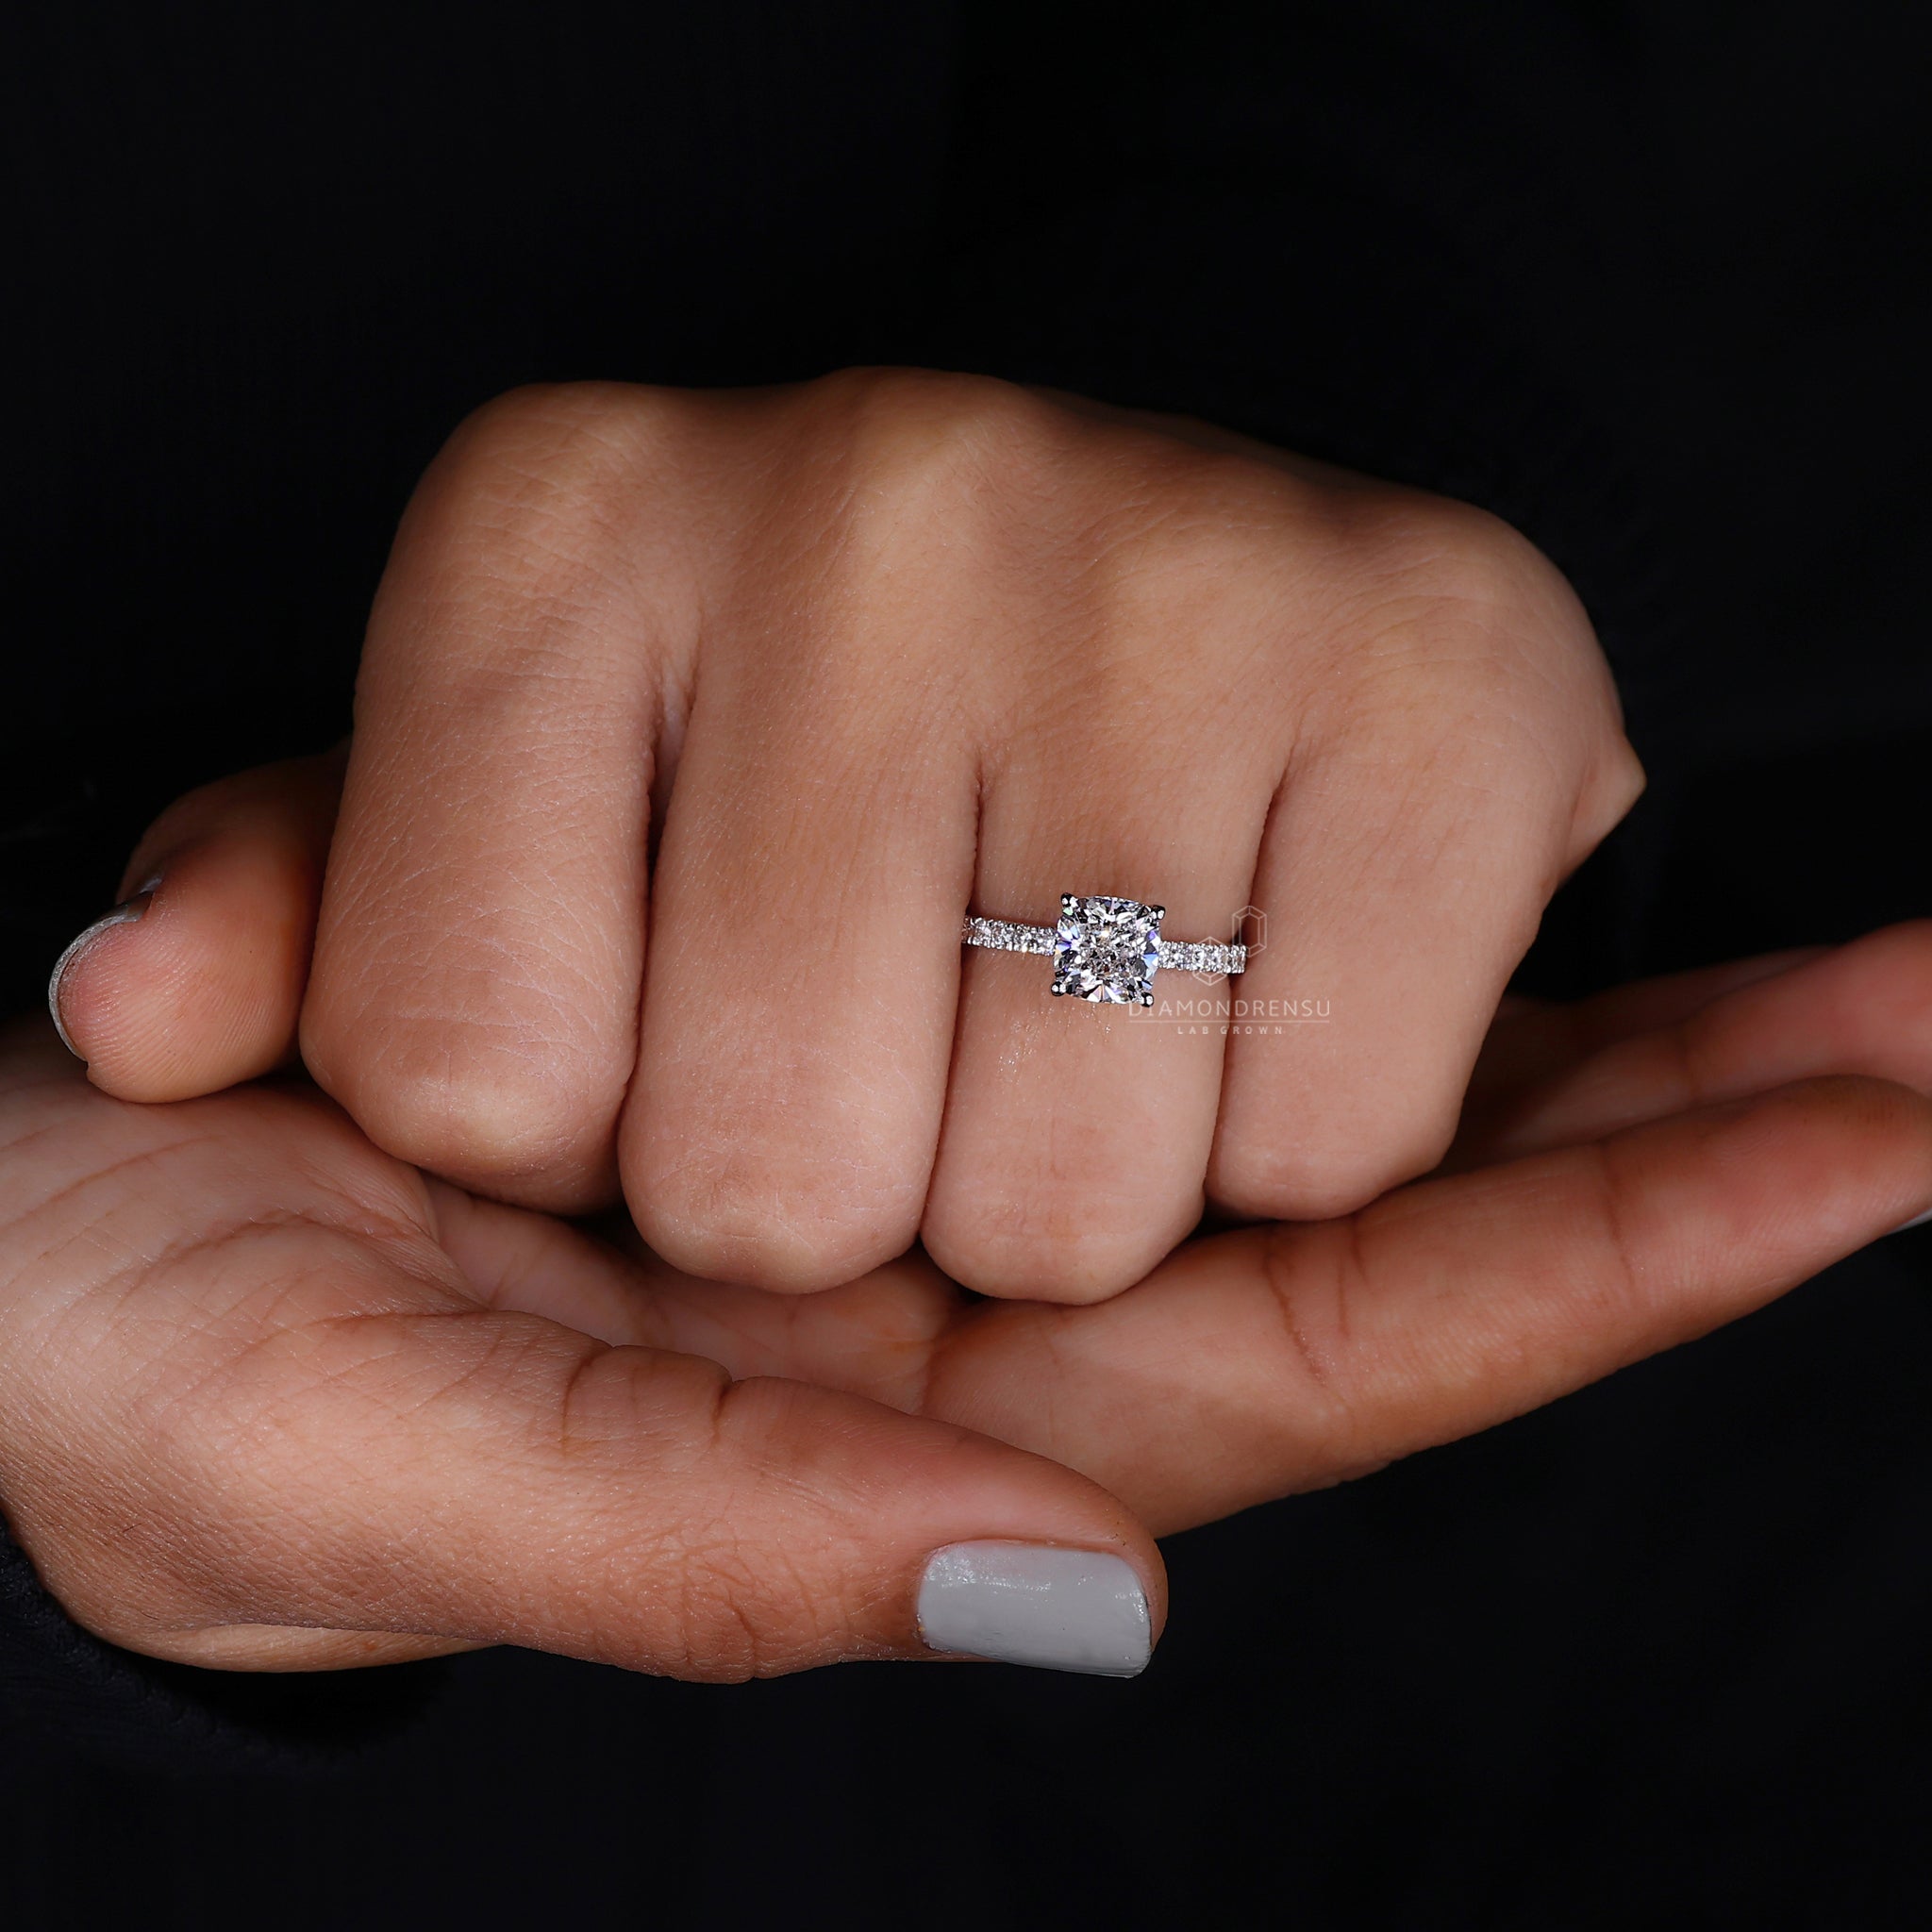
pixel 1176 956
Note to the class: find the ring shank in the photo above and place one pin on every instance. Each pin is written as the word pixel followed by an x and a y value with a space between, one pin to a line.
pixel 1176 956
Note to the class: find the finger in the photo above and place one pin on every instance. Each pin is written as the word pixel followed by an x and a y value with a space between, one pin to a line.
pixel 1077 1135
pixel 194 982
pixel 1276 1359
pixel 683 1523
pixel 799 1003
pixel 874 1336
pixel 1864 1008
pixel 474 1002
pixel 1076 1131
pixel 1475 758
pixel 323 1430
pixel 1533 1042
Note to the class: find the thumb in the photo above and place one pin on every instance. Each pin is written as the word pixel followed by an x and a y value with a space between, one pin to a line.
pixel 194 982
pixel 494 1478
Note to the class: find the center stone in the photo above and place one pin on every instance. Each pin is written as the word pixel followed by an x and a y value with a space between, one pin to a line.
pixel 1107 949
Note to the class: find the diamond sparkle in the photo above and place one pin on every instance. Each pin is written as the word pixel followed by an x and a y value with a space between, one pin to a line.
pixel 1107 949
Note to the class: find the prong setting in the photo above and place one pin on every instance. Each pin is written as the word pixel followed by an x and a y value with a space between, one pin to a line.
pixel 1107 949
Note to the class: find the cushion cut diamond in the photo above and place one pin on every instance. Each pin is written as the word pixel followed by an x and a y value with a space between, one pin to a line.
pixel 1107 949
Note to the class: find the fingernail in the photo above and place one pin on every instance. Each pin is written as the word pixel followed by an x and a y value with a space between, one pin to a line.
pixel 1031 1603
pixel 124 914
pixel 1917 1220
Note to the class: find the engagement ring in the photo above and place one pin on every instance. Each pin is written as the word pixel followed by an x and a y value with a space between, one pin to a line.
pixel 1107 949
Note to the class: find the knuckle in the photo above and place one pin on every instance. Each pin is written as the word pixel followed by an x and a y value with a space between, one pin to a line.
pixel 1455 552
pixel 577 436
pixel 899 456
pixel 1454 631
pixel 1058 1254
pixel 1421 571
pixel 734 1590
pixel 740 1614
pixel 484 1035
pixel 798 1166
pixel 1072 539
pixel 740 1218
pixel 1614 780
pixel 483 1123
pixel 204 808
pixel 1192 545
pixel 926 417
pixel 887 502
pixel 539 490
pixel 501 1105
pixel 269 803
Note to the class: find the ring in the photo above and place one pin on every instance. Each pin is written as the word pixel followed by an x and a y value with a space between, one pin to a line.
pixel 1107 949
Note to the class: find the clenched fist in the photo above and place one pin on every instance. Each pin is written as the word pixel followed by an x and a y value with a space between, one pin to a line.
pixel 690 725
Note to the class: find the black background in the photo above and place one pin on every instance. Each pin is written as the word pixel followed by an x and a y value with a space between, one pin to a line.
pixel 1638 276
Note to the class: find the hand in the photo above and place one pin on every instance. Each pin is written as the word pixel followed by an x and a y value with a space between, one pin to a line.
pixel 855 656
pixel 269 1400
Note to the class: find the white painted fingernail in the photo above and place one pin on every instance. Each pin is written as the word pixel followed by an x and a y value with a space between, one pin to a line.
pixel 124 914
pixel 1032 1604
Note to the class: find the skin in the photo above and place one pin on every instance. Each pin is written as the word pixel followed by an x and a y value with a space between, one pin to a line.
pixel 299 1374
pixel 271 1399
pixel 788 679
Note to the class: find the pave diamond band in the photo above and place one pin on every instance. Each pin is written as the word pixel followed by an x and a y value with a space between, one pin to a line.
pixel 1107 949
pixel 1177 955
pixel 1004 935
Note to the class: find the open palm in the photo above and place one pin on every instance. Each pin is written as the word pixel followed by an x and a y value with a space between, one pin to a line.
pixel 269 1398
